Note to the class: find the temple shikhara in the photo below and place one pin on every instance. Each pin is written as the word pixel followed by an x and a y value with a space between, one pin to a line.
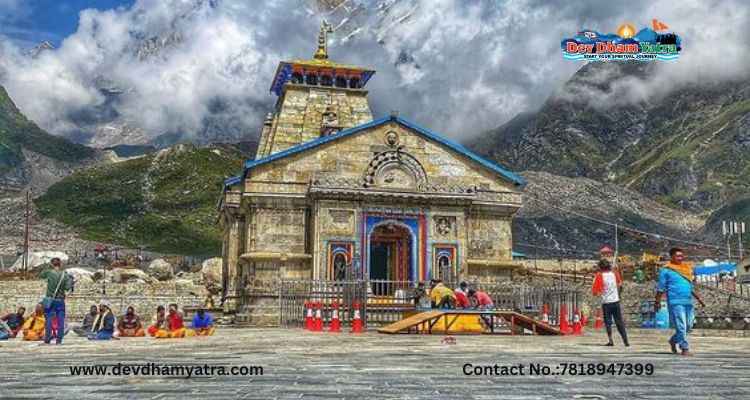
pixel 336 194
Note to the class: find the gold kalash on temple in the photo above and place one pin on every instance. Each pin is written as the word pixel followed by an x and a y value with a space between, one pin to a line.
pixel 334 194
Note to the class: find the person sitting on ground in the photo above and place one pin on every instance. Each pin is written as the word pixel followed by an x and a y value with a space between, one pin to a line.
pixel 175 325
pixel 462 300
pixel 441 295
pixel 4 331
pixel 84 328
pixel 130 324
pixel 14 321
pixel 203 323
pixel 480 299
pixel 606 283
pixel 160 324
pixel 33 328
pixel 103 327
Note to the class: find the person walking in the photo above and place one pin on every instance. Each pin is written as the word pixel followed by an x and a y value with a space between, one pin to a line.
pixel 676 280
pixel 606 285
pixel 58 282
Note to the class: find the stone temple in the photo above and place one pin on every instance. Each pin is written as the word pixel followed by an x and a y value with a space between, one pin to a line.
pixel 336 194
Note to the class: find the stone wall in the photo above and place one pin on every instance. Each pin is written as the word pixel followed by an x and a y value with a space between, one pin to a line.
pixel 567 265
pixel 144 297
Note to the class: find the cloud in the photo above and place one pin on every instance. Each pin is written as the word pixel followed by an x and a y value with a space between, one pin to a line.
pixel 203 68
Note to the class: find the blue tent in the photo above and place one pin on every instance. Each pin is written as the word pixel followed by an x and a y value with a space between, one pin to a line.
pixel 714 269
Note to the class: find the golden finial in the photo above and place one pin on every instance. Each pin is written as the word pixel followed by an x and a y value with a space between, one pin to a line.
pixel 322 52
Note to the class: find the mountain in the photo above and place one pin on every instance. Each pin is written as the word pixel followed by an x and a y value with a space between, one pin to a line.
pixel 560 217
pixel 31 156
pixel 163 201
pixel 683 145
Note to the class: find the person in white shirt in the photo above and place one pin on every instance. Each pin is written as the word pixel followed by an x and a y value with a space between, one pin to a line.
pixel 606 284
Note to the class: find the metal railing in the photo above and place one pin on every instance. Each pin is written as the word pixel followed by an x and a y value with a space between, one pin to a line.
pixel 383 302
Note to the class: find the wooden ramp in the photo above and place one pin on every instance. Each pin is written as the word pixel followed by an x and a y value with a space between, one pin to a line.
pixel 444 321
pixel 526 322
pixel 411 322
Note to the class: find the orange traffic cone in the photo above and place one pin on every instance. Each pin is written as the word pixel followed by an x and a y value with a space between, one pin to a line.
pixel 308 316
pixel 577 326
pixel 335 321
pixel 598 322
pixel 565 328
pixel 357 320
pixel 318 323
pixel 545 314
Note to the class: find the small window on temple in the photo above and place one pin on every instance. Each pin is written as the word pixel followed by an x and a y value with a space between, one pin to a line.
pixel 326 80
pixel 311 79
pixel 354 83
pixel 297 78
pixel 340 82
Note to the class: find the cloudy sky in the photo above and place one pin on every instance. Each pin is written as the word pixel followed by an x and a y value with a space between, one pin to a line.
pixel 470 65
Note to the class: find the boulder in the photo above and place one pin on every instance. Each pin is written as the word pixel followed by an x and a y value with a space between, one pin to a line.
pixel 161 269
pixel 124 275
pixel 39 258
pixel 81 276
pixel 211 270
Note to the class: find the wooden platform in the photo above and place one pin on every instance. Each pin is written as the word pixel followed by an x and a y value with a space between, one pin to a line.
pixel 425 322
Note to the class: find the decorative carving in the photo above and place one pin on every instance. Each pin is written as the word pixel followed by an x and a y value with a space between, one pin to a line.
pixel 395 169
pixel 330 123
pixel 444 225
pixel 338 222
pixel 482 248
pixel 391 139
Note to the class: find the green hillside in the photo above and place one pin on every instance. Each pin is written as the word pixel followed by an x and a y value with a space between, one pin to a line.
pixel 18 133
pixel 165 201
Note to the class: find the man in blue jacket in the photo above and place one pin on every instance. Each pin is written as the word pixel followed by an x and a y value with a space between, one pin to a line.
pixel 676 280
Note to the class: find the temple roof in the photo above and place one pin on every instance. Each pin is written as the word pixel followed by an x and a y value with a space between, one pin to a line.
pixel 320 64
pixel 506 174
pixel 286 68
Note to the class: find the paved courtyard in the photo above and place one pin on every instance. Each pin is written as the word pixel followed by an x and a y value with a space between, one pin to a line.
pixel 297 364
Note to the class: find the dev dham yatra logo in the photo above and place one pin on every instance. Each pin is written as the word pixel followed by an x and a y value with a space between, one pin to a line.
pixel 646 45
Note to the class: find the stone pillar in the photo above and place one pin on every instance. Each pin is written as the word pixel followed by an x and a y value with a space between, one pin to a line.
pixel 233 249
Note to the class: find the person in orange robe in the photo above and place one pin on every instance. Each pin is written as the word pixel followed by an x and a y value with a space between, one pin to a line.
pixel 33 328
pixel 129 325
pixel 158 329
pixel 175 325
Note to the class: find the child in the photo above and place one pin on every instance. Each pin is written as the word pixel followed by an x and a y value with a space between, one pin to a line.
pixel 606 283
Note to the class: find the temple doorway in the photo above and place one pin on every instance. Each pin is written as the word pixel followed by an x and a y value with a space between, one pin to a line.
pixel 390 253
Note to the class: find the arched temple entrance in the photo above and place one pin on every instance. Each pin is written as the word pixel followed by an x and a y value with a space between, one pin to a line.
pixel 391 255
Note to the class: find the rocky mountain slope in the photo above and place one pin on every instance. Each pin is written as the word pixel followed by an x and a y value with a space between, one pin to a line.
pixel 685 147
pixel 560 218
pixel 164 201
pixel 31 156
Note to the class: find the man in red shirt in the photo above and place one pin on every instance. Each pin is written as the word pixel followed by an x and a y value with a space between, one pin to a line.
pixel 481 299
pixel 462 301
pixel 175 324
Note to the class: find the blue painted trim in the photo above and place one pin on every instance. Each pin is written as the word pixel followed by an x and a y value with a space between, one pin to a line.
pixel 516 179
pixel 518 254
pixel 232 181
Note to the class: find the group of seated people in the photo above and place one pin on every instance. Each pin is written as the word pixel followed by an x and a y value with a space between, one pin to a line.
pixel 171 324
pixel 464 297
pixel 30 328
pixel 101 324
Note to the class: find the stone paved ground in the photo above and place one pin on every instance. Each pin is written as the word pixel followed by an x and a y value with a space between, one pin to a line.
pixel 307 365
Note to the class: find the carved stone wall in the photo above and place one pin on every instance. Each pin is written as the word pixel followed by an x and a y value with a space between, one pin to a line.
pixel 489 237
pixel 279 229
